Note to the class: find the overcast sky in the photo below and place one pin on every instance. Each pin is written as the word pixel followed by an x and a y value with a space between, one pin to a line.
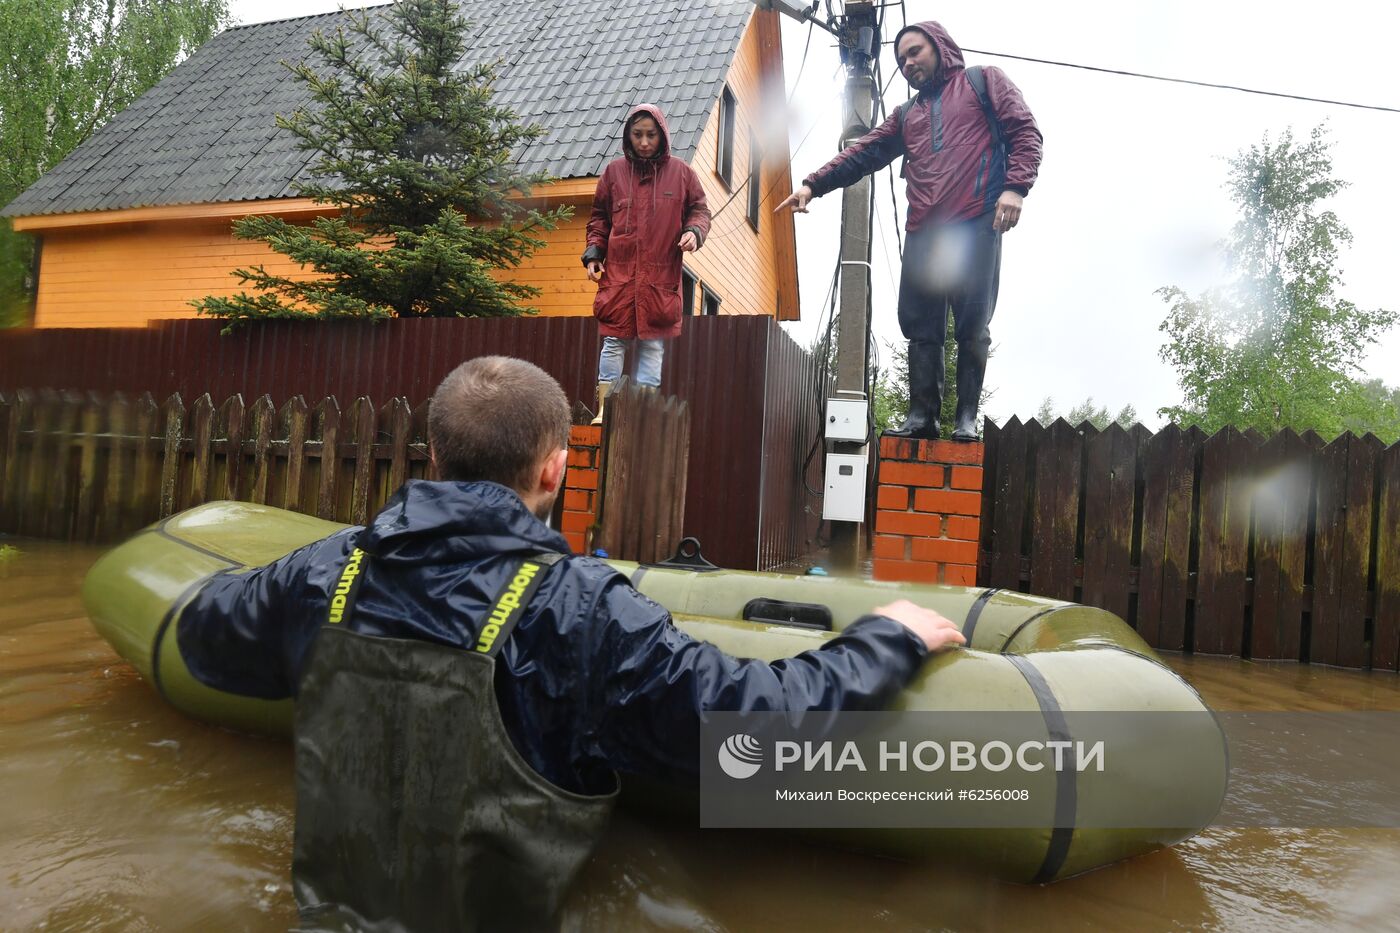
pixel 1130 196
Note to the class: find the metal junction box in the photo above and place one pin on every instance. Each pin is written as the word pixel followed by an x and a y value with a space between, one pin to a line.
pixel 845 488
pixel 846 419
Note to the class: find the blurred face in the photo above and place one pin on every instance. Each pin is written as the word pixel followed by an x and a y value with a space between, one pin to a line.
pixel 917 58
pixel 645 137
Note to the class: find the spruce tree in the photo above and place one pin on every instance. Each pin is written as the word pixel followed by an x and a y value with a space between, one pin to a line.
pixel 422 166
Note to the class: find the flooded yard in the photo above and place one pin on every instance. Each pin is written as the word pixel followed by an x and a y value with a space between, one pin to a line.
pixel 119 813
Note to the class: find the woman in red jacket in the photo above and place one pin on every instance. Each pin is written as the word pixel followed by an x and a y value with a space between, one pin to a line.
pixel 649 209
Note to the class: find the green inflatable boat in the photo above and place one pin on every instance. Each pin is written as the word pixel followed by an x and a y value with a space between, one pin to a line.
pixel 1023 654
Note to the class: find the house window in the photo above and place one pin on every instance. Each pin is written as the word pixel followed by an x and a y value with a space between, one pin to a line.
pixel 728 112
pixel 711 300
pixel 755 181
pixel 687 292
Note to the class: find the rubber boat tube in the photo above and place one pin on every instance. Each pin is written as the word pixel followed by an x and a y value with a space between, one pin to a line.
pixel 1024 653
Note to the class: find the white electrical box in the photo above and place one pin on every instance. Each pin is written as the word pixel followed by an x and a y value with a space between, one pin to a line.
pixel 846 419
pixel 845 488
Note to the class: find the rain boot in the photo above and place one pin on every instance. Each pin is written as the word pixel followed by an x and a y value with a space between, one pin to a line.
pixel 603 389
pixel 925 392
pixel 972 366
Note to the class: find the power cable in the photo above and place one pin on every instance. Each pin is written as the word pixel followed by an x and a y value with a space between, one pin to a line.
pixel 1223 87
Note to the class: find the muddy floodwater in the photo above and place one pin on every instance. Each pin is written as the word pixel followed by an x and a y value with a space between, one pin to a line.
pixel 117 813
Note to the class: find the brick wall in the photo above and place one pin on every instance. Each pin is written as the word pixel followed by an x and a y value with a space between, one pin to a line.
pixel 928 505
pixel 580 512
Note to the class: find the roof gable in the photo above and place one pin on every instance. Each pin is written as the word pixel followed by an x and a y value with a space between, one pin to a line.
pixel 207 133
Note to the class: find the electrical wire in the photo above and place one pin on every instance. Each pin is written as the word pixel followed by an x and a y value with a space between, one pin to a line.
pixel 822 382
pixel 1209 84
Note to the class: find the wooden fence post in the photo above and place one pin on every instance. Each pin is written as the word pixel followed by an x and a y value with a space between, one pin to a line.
pixel 117 491
pixel 1227 467
pixel 174 411
pixel 1281 507
pixel 1385 646
pixel 1109 493
pixel 398 420
pixel 20 408
pixel 328 431
pixel 1057 483
pixel 262 415
pixel 84 518
pixel 145 507
pixel 646 447
pixel 1010 494
pixel 1329 541
pixel 231 415
pixel 58 479
pixel 362 423
pixel 202 431
pixel 295 417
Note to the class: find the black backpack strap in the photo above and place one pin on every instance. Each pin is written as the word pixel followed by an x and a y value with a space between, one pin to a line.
pixel 509 605
pixel 901 111
pixel 978 80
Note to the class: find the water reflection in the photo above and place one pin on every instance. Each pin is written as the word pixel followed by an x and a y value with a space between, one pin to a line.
pixel 119 813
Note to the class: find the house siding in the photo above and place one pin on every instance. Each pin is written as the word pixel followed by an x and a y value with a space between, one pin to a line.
pixel 125 274
pixel 752 272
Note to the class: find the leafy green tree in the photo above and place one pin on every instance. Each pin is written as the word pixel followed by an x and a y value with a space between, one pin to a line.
pixel 1098 416
pixel 421 165
pixel 1276 347
pixel 66 67
pixel 1374 408
pixel 891 399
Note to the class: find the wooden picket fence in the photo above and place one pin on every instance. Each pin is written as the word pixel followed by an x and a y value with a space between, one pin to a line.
pixel 81 467
pixel 1278 547
pixel 646 457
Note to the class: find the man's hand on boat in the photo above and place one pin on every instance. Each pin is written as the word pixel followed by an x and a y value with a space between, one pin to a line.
pixel 936 631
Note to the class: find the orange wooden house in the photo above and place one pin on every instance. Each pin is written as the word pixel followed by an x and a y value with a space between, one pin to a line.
pixel 136 222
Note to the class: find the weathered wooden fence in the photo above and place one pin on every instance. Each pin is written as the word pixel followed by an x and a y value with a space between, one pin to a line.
pixel 82 467
pixel 753 394
pixel 86 468
pixel 1280 547
pixel 646 453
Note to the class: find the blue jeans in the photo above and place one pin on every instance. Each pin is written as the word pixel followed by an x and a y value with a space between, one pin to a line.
pixel 650 353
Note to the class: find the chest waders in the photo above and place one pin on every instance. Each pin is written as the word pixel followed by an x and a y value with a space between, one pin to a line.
pixel 414 809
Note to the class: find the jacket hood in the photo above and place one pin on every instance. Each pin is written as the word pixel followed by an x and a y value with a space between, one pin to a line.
pixel 653 111
pixel 442 522
pixel 950 57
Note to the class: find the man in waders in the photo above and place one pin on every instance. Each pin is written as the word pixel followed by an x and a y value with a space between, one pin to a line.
pixel 466 690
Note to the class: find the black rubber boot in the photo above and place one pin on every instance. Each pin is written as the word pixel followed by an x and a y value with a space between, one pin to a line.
pixel 925 392
pixel 972 366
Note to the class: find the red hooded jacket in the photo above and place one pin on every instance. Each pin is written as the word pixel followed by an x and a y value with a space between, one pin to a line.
pixel 641 208
pixel 952 169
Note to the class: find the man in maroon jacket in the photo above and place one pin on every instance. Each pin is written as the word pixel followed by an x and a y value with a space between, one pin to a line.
pixel 968 166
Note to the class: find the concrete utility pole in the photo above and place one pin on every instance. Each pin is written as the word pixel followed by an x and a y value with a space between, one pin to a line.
pixel 847 420
pixel 859 42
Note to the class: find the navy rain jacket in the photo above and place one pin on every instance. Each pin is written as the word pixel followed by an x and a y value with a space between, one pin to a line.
pixel 595 678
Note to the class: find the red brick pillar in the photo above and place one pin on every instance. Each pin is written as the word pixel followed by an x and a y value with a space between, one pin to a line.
pixel 581 486
pixel 928 511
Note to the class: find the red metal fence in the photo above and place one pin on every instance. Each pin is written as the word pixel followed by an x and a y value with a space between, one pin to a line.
pixel 1280 547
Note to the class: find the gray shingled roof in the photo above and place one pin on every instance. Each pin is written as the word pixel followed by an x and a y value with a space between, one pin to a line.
pixel 206 133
